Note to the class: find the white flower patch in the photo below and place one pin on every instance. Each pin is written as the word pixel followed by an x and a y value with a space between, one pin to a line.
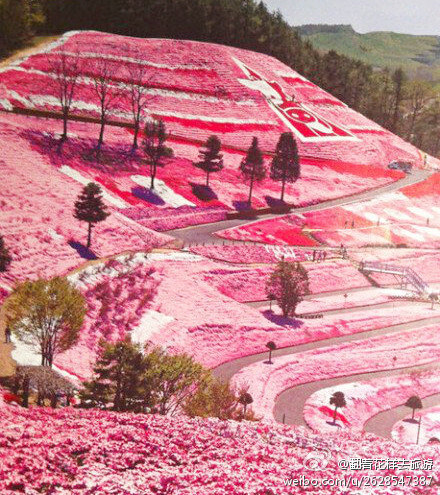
pixel 420 212
pixel 174 256
pixel 55 235
pixel 150 323
pixel 75 175
pixel 398 215
pixel 24 354
pixel 163 191
pixel 407 233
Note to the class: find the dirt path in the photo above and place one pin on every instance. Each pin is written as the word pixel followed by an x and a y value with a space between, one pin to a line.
pixel 37 43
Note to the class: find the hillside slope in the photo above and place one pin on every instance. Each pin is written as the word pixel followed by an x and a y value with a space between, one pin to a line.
pixel 200 89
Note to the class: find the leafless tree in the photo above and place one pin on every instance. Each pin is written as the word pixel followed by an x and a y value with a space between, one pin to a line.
pixel 138 90
pixel 103 74
pixel 46 382
pixel 67 69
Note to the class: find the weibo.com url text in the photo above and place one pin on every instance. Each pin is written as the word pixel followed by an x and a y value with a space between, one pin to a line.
pixel 360 482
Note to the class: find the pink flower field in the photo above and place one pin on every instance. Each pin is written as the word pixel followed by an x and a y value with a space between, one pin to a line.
pixel 367 398
pixel 95 452
pixel 405 431
pixel 249 284
pixel 373 354
pixel 37 213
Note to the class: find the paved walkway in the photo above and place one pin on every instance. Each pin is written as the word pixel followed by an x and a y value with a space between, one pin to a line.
pixel 199 234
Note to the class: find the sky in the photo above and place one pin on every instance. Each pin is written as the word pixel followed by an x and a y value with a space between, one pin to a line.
pixel 400 16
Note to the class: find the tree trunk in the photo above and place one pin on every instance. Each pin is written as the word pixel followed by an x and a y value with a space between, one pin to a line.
pixel 136 133
pixel 53 400
pixel 25 402
pixel 334 415
pixel 414 411
pixel 282 189
pixel 270 356
pixel 250 192
pixel 65 117
pixel 89 236
pixel 101 134
pixel 207 179
pixel 153 176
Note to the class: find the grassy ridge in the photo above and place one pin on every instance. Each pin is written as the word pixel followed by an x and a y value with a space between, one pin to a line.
pixel 417 55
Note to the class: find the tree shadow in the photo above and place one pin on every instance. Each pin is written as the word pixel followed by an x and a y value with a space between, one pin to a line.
pixel 83 251
pixel 112 157
pixel 203 192
pixel 282 320
pixel 411 420
pixel 241 205
pixel 147 195
pixel 336 425
pixel 274 202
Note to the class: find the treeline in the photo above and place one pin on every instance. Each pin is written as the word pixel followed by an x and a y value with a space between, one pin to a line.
pixel 406 108
pixel 19 20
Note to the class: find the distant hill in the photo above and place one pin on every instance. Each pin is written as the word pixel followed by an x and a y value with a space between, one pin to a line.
pixel 418 55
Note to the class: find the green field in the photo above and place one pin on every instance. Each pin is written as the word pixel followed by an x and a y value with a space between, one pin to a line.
pixel 419 56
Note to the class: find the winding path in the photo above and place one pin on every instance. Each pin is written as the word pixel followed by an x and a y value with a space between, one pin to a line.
pixel 383 422
pixel 205 233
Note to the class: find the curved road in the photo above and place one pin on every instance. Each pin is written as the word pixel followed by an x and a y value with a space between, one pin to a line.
pixel 383 422
pixel 199 234
pixel 227 370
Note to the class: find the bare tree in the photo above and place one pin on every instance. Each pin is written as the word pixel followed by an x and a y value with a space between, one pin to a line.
pixel 138 91
pixel 67 69
pixel 103 75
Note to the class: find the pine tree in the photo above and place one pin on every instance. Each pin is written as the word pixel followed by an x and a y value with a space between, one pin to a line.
pixel 285 166
pixel 211 160
pixel 90 208
pixel 5 257
pixel 252 167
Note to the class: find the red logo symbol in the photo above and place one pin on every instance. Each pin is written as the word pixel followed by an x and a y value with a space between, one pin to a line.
pixel 305 123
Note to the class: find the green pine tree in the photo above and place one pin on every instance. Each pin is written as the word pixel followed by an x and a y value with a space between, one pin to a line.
pixel 285 166
pixel 252 167
pixel 211 160
pixel 90 207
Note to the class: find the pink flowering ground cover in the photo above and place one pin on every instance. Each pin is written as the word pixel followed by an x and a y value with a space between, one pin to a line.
pixel 405 431
pixel 36 216
pixel 367 398
pixel 203 88
pixel 372 354
pixel 249 284
pixel 117 293
pixel 255 254
pixel 357 299
pixel 85 452
pixel 209 95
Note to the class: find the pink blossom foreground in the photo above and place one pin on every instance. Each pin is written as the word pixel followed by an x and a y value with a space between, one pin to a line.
pixel 368 398
pixel 368 355
pixel 79 452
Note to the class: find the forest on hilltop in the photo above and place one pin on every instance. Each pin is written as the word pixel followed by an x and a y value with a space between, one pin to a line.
pixel 409 108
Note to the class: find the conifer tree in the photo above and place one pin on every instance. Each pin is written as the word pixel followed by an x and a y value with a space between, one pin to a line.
pixel 5 257
pixel 90 208
pixel 211 160
pixel 252 167
pixel 285 166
